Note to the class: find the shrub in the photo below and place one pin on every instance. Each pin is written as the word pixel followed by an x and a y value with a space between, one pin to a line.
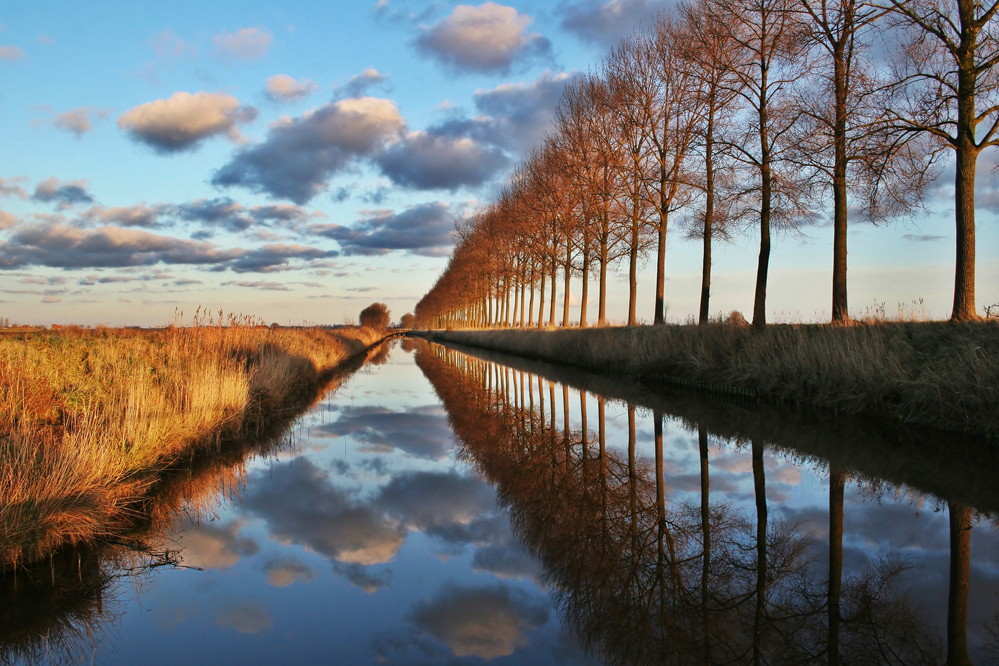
pixel 375 316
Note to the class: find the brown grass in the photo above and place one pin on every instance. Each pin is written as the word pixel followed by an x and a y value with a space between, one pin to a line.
pixel 938 374
pixel 87 418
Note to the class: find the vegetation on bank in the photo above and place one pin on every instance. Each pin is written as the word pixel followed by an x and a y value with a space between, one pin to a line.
pixel 939 374
pixel 87 418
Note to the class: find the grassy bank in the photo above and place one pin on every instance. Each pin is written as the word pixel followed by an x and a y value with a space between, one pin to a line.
pixel 937 374
pixel 88 418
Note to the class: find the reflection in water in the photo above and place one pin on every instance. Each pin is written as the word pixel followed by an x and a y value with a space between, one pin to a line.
pixel 731 539
pixel 61 608
pixel 644 574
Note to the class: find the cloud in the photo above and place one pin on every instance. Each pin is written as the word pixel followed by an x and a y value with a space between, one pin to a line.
pixel 60 246
pixel 221 212
pixel 244 44
pixel 457 508
pixel 184 120
pixel 214 547
pixel 51 299
pixel 519 114
pixel 301 154
pixel 605 22
pixel 9 187
pixel 487 38
pixel 138 215
pixel 923 238
pixel 282 573
pixel 12 53
pixel 8 220
pixel 168 45
pixel 359 84
pixel 66 194
pixel 486 622
pixel 302 507
pixel 438 159
pixel 259 284
pixel 77 120
pixel 361 577
pixel 283 88
pixel 276 257
pixel 246 618
pixel 422 432
pixel 425 229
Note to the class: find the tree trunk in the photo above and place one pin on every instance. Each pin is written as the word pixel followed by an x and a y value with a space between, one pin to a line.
pixel 840 311
pixel 957 597
pixel 835 561
pixel 709 214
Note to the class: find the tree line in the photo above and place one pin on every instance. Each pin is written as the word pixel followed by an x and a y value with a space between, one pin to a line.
pixel 727 115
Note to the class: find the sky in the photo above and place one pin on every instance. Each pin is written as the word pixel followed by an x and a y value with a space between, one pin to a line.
pixel 297 161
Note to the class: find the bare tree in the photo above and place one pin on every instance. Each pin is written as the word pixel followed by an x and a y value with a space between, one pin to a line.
pixel 767 61
pixel 951 91
pixel 707 50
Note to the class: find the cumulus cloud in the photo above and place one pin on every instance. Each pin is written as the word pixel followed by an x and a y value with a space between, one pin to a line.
pixel 277 257
pixel 183 120
pixel 486 622
pixel 605 22
pixel 426 229
pixel 359 84
pixel 439 159
pixel 8 220
pixel 519 114
pixel 283 88
pixel 65 194
pixel 301 154
pixel 301 506
pixel 422 432
pixel 62 246
pixel 12 53
pixel 282 573
pixel 214 547
pixel 486 38
pixel 138 215
pixel 77 120
pixel 10 187
pixel 244 44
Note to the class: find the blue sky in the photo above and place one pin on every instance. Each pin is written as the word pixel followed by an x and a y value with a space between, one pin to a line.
pixel 297 161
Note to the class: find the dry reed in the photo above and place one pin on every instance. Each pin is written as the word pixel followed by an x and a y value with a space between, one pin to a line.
pixel 87 418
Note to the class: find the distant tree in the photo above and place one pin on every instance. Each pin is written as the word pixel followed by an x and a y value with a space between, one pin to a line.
pixel 376 316
pixel 407 321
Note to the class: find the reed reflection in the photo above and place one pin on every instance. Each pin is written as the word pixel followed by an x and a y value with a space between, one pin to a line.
pixel 644 574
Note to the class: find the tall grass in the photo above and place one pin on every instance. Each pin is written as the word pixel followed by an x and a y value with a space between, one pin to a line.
pixel 87 418
pixel 939 374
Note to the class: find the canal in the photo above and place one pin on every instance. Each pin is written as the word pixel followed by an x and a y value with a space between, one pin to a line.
pixel 442 505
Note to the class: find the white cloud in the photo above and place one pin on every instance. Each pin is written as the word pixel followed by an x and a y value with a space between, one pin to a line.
pixel 486 38
pixel 245 44
pixel 183 120
pixel 283 88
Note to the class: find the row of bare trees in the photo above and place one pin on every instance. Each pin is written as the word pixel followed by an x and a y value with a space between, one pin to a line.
pixel 734 114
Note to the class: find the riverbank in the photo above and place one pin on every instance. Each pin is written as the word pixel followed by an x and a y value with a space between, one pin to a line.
pixel 938 374
pixel 88 419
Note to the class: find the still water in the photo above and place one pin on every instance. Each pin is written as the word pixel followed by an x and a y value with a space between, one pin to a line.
pixel 439 507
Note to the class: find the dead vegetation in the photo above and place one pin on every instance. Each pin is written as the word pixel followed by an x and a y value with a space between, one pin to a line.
pixel 87 418
pixel 939 374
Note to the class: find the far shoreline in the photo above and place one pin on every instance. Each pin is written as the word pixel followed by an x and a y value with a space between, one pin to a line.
pixel 943 375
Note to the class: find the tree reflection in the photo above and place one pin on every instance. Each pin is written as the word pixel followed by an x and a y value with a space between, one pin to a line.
pixel 641 577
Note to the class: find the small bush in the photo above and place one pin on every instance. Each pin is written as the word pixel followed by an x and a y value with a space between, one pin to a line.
pixel 376 316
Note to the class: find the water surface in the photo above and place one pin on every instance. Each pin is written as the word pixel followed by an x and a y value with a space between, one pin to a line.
pixel 440 508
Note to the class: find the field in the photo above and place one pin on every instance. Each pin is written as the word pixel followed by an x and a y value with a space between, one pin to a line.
pixel 89 417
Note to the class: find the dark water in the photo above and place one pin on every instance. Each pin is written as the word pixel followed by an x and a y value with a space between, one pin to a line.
pixel 441 508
